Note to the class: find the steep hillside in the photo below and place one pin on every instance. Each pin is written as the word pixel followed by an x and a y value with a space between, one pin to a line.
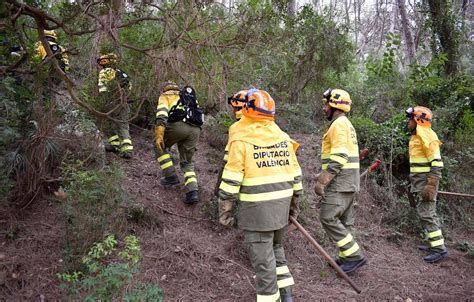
pixel 193 258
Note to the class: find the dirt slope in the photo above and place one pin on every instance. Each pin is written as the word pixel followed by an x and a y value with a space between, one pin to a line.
pixel 193 258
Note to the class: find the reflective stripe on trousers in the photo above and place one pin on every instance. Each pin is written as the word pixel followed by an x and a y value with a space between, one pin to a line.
pixel 166 164
pixel 269 262
pixel 337 219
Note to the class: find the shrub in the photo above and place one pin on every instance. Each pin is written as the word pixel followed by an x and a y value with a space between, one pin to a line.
pixel 107 269
pixel 91 209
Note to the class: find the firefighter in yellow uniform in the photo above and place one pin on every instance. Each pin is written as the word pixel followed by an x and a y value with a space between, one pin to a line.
pixel 263 178
pixel 237 101
pixel 425 173
pixel 178 121
pixel 114 85
pixel 339 183
pixel 55 48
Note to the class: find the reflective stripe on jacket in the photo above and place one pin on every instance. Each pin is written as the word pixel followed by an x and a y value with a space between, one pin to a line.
pixel 425 157
pixel 42 54
pixel 340 155
pixel 263 176
pixel 106 75
pixel 166 100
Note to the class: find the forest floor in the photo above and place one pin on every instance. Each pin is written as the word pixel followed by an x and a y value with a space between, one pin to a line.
pixel 193 258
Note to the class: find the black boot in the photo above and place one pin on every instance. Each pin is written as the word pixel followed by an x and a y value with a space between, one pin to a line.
pixel 169 181
pixel 110 148
pixel 192 197
pixel 286 297
pixel 424 248
pixel 127 155
pixel 351 266
pixel 436 255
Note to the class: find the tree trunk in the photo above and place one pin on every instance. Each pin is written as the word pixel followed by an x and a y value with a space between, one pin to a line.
pixel 291 8
pixel 109 19
pixel 444 28
pixel 347 8
pixel 394 16
pixel 410 47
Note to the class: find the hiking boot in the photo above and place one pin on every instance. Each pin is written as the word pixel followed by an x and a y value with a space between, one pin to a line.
pixel 351 266
pixel 337 260
pixel 424 248
pixel 127 155
pixel 286 297
pixel 169 181
pixel 436 255
pixel 109 148
pixel 192 197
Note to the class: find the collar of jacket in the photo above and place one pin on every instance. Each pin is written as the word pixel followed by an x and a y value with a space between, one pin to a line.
pixel 427 135
pixel 262 133
pixel 335 118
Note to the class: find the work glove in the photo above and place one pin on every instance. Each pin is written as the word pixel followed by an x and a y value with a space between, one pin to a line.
pixel 225 212
pixel 430 191
pixel 159 138
pixel 322 180
pixel 295 207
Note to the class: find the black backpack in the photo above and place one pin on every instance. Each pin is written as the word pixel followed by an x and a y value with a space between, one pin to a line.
pixel 189 111
pixel 56 50
pixel 122 78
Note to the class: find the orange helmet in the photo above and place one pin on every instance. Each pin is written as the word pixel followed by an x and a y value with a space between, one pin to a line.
pixel 238 100
pixel 259 105
pixel 422 115
pixel 338 98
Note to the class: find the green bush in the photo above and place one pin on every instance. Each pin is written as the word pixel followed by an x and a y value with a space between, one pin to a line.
pixel 108 268
pixel 295 118
pixel 386 141
pixel 94 198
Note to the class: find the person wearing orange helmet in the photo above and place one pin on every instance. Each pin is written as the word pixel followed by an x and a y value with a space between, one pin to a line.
pixel 338 182
pixel 425 173
pixel 237 102
pixel 263 177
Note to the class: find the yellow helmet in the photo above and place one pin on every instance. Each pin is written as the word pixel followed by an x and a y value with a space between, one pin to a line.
pixel 107 59
pixel 50 34
pixel 170 85
pixel 338 98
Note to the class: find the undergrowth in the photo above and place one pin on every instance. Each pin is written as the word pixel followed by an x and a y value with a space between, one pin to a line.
pixel 108 267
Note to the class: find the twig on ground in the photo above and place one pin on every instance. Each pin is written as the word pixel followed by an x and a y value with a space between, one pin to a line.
pixel 231 261
pixel 172 213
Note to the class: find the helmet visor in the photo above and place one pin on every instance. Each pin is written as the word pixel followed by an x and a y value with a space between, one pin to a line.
pixel 327 95
pixel 236 102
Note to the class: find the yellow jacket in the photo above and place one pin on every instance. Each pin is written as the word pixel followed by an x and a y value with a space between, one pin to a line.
pixel 166 100
pixel 340 155
pixel 425 157
pixel 262 173
pixel 55 48
pixel 109 74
